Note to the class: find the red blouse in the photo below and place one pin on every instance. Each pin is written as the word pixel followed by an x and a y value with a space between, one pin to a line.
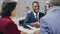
pixel 7 26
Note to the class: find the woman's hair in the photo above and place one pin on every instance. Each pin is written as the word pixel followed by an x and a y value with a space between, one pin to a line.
pixel 7 8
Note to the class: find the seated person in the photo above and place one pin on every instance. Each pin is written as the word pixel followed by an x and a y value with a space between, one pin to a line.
pixel 7 26
pixel 33 17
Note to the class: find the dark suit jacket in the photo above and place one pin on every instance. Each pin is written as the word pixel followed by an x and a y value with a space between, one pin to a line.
pixel 31 18
pixel 7 26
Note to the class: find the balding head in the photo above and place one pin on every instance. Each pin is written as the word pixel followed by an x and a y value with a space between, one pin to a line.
pixel 55 2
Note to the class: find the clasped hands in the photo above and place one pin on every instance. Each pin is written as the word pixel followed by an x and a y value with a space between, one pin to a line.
pixel 35 24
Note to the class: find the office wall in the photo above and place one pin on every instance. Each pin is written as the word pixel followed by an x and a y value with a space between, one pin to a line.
pixel 0 5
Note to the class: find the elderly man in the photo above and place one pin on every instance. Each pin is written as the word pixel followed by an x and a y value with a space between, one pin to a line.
pixel 50 23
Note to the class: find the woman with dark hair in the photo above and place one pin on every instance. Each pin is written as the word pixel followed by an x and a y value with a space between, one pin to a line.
pixel 7 26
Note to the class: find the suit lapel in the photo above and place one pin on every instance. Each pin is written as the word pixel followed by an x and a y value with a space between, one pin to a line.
pixel 33 15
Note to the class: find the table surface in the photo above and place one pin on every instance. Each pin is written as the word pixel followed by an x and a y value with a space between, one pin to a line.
pixel 27 30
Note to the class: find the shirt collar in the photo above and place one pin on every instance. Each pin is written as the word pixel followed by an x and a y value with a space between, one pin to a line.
pixel 35 13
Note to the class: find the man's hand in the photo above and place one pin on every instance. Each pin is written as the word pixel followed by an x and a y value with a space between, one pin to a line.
pixel 32 24
pixel 23 32
pixel 37 24
pixel 37 32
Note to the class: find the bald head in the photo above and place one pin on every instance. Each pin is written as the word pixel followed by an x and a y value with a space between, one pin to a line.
pixel 55 2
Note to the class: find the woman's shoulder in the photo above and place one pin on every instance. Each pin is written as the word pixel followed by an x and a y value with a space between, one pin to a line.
pixel 5 21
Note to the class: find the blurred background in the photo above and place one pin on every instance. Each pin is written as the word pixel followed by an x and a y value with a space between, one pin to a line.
pixel 22 6
pixel 21 14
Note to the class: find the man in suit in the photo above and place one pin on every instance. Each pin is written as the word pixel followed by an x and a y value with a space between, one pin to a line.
pixel 50 23
pixel 33 17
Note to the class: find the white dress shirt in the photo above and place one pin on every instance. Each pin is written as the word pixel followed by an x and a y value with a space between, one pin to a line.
pixel 37 15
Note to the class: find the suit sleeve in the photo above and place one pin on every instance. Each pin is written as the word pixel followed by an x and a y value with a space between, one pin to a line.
pixel 45 28
pixel 26 21
pixel 11 28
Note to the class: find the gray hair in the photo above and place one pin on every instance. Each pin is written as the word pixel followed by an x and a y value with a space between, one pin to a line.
pixel 55 2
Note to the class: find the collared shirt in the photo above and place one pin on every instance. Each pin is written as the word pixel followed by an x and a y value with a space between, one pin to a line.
pixel 37 15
